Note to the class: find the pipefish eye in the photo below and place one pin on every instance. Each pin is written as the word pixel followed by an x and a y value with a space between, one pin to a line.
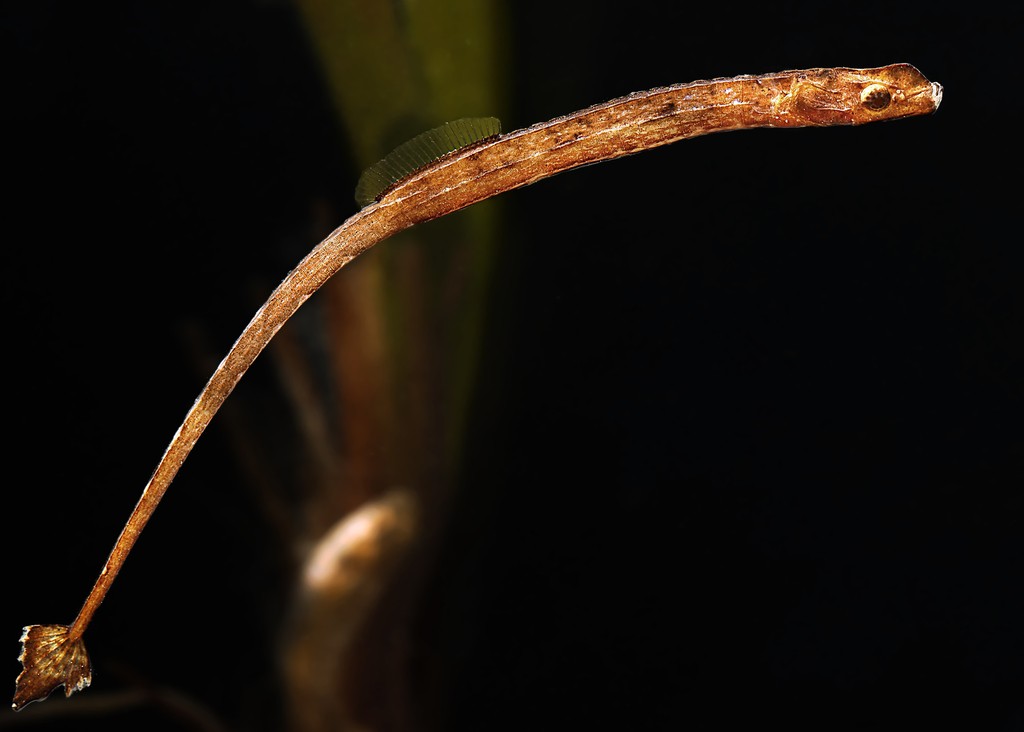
pixel 875 97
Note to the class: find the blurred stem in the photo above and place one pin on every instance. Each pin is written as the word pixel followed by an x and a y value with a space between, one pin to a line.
pixel 394 69
pixel 405 322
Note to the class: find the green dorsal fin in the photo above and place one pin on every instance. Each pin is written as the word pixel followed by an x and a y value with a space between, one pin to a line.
pixel 422 150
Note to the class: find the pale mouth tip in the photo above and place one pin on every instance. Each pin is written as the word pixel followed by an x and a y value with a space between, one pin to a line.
pixel 937 94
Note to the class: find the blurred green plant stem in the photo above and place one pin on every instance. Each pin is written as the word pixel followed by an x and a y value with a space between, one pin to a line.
pixel 404 322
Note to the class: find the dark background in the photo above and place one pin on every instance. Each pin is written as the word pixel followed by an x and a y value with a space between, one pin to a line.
pixel 747 446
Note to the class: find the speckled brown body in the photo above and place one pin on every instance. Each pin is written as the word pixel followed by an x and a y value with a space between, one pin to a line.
pixel 640 121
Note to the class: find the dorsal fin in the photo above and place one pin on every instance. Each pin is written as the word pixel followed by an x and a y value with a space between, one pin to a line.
pixel 422 150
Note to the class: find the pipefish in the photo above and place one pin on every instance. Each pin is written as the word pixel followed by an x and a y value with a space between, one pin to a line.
pixel 427 179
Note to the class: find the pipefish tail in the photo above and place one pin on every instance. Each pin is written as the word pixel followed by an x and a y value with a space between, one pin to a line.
pixel 448 180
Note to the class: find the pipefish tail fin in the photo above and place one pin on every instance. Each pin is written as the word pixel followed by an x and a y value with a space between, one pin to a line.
pixel 422 150
pixel 50 658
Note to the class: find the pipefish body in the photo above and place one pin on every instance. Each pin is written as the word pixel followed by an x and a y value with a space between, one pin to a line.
pixel 448 169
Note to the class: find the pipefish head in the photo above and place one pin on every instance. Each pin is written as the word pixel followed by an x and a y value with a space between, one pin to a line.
pixel 857 96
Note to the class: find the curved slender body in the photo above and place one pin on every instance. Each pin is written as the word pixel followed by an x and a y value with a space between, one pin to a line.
pixel 53 655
